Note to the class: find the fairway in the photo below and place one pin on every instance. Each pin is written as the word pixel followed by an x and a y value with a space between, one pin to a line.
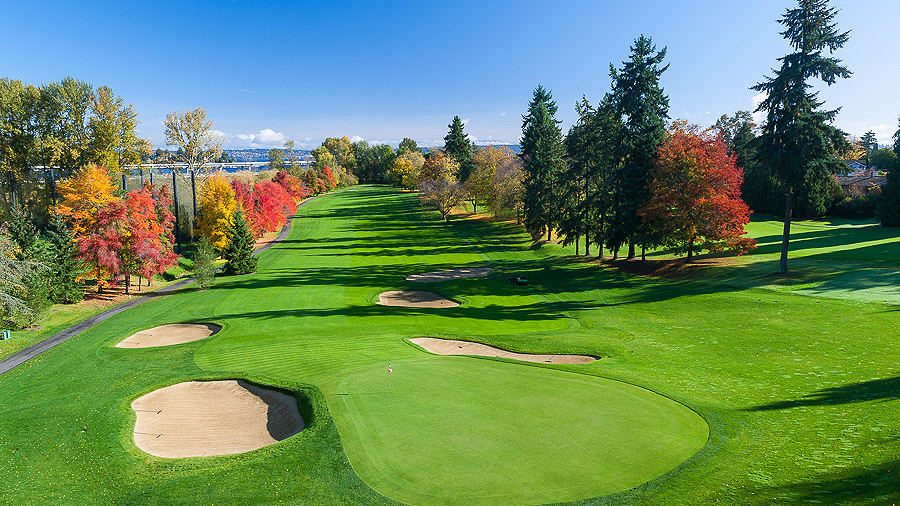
pixel 705 389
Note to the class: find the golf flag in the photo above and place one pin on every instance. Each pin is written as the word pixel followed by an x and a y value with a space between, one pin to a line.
pixel 389 369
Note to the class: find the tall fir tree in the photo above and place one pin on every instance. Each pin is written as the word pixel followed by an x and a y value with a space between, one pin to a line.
pixel 64 268
pixel 798 142
pixel 869 143
pixel 457 145
pixel 543 163
pixel 239 253
pixel 581 153
pixel 638 100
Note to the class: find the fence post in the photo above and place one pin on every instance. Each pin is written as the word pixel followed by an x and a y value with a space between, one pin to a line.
pixel 53 185
pixel 151 176
pixel 175 200
pixel 194 192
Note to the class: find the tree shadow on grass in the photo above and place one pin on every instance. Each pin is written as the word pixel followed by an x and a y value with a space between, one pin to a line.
pixel 878 484
pixel 864 391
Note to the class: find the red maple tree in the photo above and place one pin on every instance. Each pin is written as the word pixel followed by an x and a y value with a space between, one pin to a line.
pixel 146 242
pixel 99 245
pixel 696 194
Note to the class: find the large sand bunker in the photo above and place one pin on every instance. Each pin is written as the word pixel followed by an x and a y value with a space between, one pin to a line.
pixel 448 275
pixel 452 347
pixel 202 418
pixel 167 335
pixel 414 298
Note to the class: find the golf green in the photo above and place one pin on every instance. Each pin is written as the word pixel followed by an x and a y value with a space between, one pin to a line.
pixel 460 430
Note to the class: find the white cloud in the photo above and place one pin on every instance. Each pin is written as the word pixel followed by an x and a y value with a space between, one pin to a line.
pixel 503 114
pixel 222 135
pixel 246 137
pixel 465 121
pixel 269 136
pixel 884 133
pixel 356 138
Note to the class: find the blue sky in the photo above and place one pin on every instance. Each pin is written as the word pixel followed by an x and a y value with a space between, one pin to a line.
pixel 266 71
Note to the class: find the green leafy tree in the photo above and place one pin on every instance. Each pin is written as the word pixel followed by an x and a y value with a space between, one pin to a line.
pixel 457 145
pixel 197 142
pixel 113 129
pixel 798 142
pixel 885 160
pixel 407 145
pixel 542 153
pixel 643 108
pixel 276 159
pixel 239 253
pixel 204 269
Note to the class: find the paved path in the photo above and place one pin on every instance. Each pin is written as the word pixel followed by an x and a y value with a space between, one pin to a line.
pixel 22 356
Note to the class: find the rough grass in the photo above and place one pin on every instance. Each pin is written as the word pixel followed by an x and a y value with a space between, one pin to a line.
pixel 796 376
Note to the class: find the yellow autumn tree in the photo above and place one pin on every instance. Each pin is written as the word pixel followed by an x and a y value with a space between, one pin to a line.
pixel 82 195
pixel 217 204
pixel 403 174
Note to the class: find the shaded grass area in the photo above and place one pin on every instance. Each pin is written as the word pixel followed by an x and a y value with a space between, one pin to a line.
pixel 797 390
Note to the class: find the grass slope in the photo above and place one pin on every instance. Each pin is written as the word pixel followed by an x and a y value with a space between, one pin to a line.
pixel 800 391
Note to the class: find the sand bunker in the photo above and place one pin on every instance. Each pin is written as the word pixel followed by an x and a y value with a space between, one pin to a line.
pixel 451 347
pixel 167 335
pixel 202 418
pixel 414 298
pixel 437 276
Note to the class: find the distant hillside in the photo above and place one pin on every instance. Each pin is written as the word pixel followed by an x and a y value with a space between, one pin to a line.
pixel 258 154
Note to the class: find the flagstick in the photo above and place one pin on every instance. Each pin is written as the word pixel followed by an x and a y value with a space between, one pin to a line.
pixel 390 386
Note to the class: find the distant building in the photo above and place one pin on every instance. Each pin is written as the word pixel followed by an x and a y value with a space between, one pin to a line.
pixel 862 182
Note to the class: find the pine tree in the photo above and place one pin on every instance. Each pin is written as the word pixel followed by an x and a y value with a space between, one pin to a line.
pixel 204 270
pixel 542 153
pixel 639 101
pixel 22 233
pixel 798 143
pixel 457 145
pixel 239 254
pixel 64 267
pixel 869 143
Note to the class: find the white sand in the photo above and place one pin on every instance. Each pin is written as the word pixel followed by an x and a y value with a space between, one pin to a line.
pixel 414 298
pixel 453 347
pixel 167 335
pixel 203 418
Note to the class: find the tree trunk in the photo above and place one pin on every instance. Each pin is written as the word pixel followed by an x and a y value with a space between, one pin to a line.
pixel 576 244
pixel 786 235
pixel 474 206
pixel 631 253
pixel 549 231
pixel 643 253
pixel 127 283
pixel 690 249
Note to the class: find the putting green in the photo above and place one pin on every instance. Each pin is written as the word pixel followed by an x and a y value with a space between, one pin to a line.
pixel 459 430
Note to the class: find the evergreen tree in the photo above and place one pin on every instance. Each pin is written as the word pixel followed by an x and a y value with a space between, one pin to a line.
pixel 63 265
pixel 239 253
pixel 889 201
pixel 457 145
pixel 798 143
pixel 542 154
pixel 638 100
pixel 204 256
pixel 869 143
pixel 23 234
pixel 581 151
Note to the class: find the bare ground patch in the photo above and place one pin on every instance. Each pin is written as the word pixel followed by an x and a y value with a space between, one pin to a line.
pixel 453 347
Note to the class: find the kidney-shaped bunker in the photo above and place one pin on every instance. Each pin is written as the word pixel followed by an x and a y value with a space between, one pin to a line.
pixel 202 418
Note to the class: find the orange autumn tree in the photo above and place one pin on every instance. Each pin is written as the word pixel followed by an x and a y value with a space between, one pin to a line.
pixel 696 194
pixel 217 204
pixel 82 195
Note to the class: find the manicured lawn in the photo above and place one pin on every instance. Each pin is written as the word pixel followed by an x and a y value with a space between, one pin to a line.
pixel 795 377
